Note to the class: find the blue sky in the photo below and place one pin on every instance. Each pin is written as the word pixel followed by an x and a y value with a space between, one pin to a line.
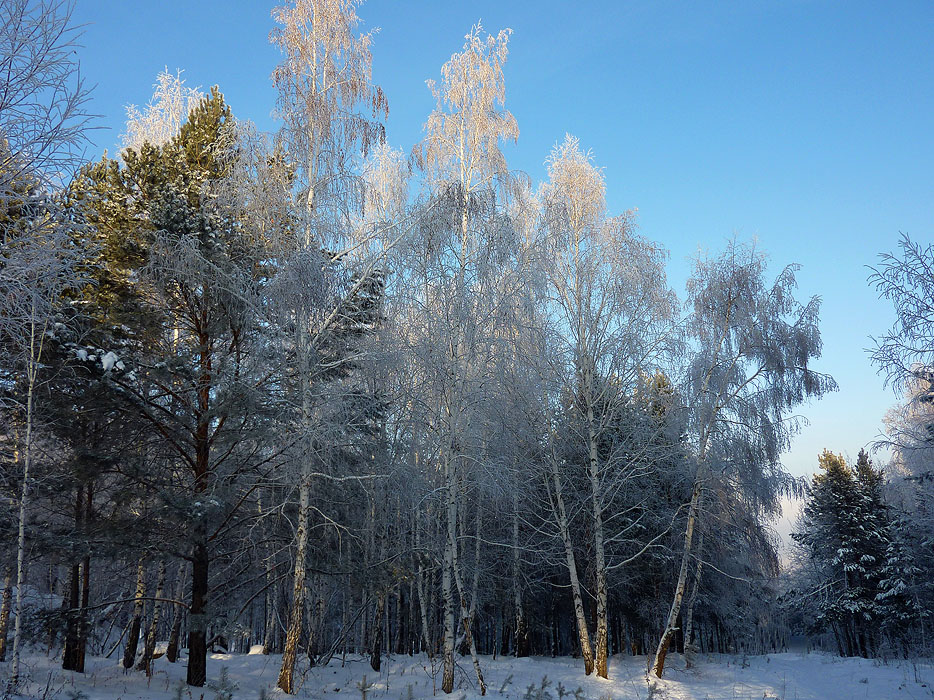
pixel 806 124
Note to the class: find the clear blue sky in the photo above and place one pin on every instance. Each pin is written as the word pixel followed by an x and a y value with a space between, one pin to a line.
pixel 806 124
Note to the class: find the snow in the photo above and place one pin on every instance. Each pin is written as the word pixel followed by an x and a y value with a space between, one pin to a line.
pixel 787 676
pixel 109 360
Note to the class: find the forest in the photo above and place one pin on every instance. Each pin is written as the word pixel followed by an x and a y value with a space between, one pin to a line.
pixel 303 395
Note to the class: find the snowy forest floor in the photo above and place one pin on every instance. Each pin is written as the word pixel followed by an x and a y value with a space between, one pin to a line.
pixel 788 676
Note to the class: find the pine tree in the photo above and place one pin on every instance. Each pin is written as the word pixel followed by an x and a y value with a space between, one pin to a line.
pixel 176 300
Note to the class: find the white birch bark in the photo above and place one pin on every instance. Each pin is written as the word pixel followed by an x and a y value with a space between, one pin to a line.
pixel 583 633
pixel 447 588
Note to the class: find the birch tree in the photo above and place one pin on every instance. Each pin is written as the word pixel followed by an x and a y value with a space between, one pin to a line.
pixel 613 314
pixel 43 122
pixel 463 163
pixel 162 118
pixel 43 101
pixel 325 91
pixel 37 268
pixel 753 349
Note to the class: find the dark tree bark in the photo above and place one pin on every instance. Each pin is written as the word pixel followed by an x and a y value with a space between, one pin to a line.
pixel 70 656
pixel 197 618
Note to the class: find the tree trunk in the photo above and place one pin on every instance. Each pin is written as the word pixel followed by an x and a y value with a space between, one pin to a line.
pixel 70 653
pixel 35 347
pixel 272 622
pixel 197 614
pixel 583 633
pixel 521 632
pixel 690 648
pixel 132 640
pixel 5 609
pixel 171 651
pixel 466 621
pixel 400 631
pixel 149 646
pixel 420 589
pixel 670 627
pixel 376 643
pixel 294 634
pixel 599 552
pixel 447 588
pixel 83 623
pixel 200 555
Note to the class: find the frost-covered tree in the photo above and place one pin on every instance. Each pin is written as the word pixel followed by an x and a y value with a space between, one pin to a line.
pixel 330 111
pixel 162 118
pixel 856 568
pixel 907 280
pixel 43 123
pixel 184 269
pixel 43 101
pixel 464 252
pixel 752 348
pixel 614 315
pixel 905 355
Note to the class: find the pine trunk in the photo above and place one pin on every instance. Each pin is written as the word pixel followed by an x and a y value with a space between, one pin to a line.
pixel 70 654
pixel 376 643
pixel 521 643
pixel 85 585
pixel 197 616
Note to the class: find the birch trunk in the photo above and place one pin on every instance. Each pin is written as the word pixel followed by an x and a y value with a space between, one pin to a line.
pixel 598 540
pixel 466 622
pixel 583 632
pixel 290 651
pixel 447 588
pixel 149 645
pixel 32 371
pixel 690 648
pixel 171 652
pixel 132 641
pixel 670 627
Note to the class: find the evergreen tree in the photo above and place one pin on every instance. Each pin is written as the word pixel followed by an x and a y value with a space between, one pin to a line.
pixel 844 533
pixel 176 298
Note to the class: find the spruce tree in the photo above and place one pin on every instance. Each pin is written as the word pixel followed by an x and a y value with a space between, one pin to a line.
pixel 835 539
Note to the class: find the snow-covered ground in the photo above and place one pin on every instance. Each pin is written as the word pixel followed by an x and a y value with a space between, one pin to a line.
pixel 791 676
